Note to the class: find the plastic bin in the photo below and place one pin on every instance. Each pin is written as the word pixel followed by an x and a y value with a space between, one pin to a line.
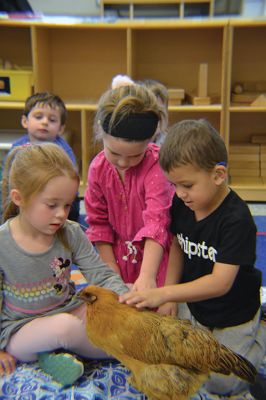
pixel 15 84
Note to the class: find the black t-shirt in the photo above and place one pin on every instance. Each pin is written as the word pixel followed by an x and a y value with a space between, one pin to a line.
pixel 227 235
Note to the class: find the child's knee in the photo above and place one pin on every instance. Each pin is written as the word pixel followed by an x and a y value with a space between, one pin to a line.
pixel 66 328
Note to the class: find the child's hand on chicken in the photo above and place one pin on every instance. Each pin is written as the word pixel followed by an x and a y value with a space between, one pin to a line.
pixel 148 298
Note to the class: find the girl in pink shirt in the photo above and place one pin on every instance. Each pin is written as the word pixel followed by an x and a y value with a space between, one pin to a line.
pixel 128 197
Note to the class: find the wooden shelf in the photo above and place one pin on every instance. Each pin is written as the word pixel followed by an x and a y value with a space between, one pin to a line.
pixel 250 190
pixel 77 61
pixel 133 4
pixel 246 109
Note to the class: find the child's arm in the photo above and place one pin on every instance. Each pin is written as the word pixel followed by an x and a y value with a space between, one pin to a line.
pixel 156 219
pixel 107 255
pixel 7 363
pixel 175 264
pixel 152 256
pixel 209 286
pixel 173 276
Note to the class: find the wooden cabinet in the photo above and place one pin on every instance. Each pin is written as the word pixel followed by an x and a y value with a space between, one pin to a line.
pixel 247 65
pixel 78 61
pixel 133 5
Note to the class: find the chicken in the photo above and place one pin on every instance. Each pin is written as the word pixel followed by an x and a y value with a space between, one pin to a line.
pixel 168 358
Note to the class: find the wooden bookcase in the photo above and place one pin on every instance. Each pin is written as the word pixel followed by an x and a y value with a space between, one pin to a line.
pixel 133 4
pixel 77 61
pixel 246 63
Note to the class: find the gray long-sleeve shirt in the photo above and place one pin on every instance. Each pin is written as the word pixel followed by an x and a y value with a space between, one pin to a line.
pixel 37 284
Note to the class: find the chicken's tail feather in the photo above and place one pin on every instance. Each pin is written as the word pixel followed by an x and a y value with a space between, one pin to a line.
pixel 231 362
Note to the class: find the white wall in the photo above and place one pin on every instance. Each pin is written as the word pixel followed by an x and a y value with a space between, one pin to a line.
pixel 66 7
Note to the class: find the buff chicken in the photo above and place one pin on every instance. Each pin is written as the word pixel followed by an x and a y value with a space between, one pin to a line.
pixel 168 358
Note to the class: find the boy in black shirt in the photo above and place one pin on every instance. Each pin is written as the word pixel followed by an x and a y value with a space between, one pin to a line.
pixel 213 251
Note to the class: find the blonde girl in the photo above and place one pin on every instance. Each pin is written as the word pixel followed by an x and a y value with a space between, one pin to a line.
pixel 40 313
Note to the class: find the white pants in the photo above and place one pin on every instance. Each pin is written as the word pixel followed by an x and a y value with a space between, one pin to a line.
pixel 61 331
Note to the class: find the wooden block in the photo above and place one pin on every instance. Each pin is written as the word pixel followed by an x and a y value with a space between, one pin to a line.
pixel 263 165
pixel 175 93
pixel 263 172
pixel 260 101
pixel 244 157
pixel 201 101
pixel 245 97
pixel 263 157
pixel 244 172
pixel 203 81
pixel 260 139
pixel 263 149
pixel 246 180
pixel 174 102
pixel 244 164
pixel 243 148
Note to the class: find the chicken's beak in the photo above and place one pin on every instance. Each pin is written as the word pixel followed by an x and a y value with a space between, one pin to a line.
pixel 86 296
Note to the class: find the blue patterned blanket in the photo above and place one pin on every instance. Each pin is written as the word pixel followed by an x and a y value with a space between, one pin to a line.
pixel 101 380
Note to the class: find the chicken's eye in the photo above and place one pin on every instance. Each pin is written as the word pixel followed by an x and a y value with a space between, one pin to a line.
pixel 91 298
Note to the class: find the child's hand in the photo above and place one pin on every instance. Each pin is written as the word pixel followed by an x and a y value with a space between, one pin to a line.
pixel 7 363
pixel 169 308
pixel 150 298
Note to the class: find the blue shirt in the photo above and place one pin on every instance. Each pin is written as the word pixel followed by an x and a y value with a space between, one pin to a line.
pixel 58 140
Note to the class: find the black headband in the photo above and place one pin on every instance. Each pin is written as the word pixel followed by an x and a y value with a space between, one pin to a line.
pixel 135 126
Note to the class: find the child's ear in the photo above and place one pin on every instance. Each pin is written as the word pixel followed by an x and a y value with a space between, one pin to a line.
pixel 16 197
pixel 61 131
pixel 24 122
pixel 220 172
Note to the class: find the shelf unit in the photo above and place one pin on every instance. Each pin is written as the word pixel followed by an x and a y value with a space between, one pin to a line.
pixel 133 4
pixel 246 63
pixel 78 60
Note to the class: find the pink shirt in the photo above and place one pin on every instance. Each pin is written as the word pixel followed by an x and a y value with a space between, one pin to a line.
pixel 125 213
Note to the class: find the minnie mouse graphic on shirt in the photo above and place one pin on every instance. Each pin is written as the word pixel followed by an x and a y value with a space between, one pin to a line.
pixel 61 273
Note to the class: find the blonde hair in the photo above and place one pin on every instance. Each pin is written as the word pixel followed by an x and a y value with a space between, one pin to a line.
pixel 194 142
pixel 161 93
pixel 123 101
pixel 159 89
pixel 29 168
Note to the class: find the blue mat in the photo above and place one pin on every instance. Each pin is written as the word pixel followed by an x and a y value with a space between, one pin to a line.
pixel 101 381
pixel 261 246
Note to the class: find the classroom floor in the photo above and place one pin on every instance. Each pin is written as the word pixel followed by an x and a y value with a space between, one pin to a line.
pixel 257 209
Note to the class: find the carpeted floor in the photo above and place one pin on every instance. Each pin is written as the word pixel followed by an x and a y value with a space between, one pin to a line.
pixel 261 246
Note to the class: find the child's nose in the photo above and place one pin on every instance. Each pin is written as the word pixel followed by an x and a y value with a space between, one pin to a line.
pixel 61 212
pixel 180 193
pixel 45 120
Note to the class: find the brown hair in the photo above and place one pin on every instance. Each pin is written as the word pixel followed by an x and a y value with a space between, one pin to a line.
pixel 193 142
pixel 121 102
pixel 46 99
